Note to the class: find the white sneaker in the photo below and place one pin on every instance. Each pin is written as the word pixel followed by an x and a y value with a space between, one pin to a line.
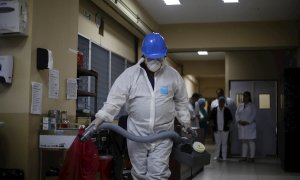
pixel 215 158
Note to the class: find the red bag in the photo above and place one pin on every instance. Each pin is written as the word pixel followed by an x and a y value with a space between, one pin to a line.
pixel 81 162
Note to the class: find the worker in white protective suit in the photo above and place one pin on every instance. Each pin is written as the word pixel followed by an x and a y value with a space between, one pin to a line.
pixel 155 94
pixel 245 118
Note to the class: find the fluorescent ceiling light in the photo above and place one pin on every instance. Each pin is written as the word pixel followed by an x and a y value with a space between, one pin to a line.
pixel 231 1
pixel 172 2
pixel 201 53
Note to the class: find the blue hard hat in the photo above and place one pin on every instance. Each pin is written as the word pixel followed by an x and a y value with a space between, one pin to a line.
pixel 154 46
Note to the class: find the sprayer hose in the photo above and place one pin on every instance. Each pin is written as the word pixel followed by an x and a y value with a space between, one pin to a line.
pixel 142 139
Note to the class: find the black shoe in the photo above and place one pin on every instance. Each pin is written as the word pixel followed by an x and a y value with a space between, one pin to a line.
pixel 244 159
pixel 251 160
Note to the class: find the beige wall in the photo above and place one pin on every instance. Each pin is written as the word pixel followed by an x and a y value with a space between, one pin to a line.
pixel 117 11
pixel 211 72
pixel 208 86
pixel 259 65
pixel 214 68
pixel 192 85
pixel 142 14
pixel 52 27
pixel 224 36
pixel 253 65
pixel 46 34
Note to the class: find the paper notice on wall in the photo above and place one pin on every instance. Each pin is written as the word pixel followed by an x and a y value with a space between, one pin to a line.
pixel 36 98
pixel 53 84
pixel 71 89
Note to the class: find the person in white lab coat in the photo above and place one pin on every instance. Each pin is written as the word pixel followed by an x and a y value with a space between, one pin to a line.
pixel 245 118
pixel 155 94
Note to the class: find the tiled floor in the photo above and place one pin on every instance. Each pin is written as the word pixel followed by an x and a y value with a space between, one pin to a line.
pixel 232 169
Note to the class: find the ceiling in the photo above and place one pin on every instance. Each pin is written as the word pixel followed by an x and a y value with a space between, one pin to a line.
pixel 205 11
pixel 193 56
pixel 199 11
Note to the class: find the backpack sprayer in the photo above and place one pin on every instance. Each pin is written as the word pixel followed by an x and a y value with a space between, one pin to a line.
pixel 185 150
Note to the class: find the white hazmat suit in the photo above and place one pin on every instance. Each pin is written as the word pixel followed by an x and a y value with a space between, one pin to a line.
pixel 150 111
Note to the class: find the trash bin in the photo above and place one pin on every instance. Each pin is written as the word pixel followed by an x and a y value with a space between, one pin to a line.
pixel 105 167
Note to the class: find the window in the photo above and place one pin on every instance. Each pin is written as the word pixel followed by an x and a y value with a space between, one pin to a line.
pixel 117 66
pixel 109 66
pixel 82 82
pixel 100 63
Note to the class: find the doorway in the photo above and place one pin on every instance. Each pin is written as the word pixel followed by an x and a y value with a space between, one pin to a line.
pixel 264 96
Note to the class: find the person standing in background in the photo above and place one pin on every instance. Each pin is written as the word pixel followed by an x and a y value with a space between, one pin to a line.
pixel 228 101
pixel 245 118
pixel 221 119
pixel 192 109
pixel 202 116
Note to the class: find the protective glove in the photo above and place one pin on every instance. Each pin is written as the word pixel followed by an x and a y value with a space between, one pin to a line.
pixel 188 130
pixel 192 132
pixel 91 129
pixel 185 126
pixel 97 122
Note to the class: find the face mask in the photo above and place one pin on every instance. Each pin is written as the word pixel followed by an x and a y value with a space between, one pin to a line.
pixel 153 65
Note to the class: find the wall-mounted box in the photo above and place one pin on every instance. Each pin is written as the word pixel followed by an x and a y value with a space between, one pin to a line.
pixel 6 69
pixel 44 59
pixel 13 17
